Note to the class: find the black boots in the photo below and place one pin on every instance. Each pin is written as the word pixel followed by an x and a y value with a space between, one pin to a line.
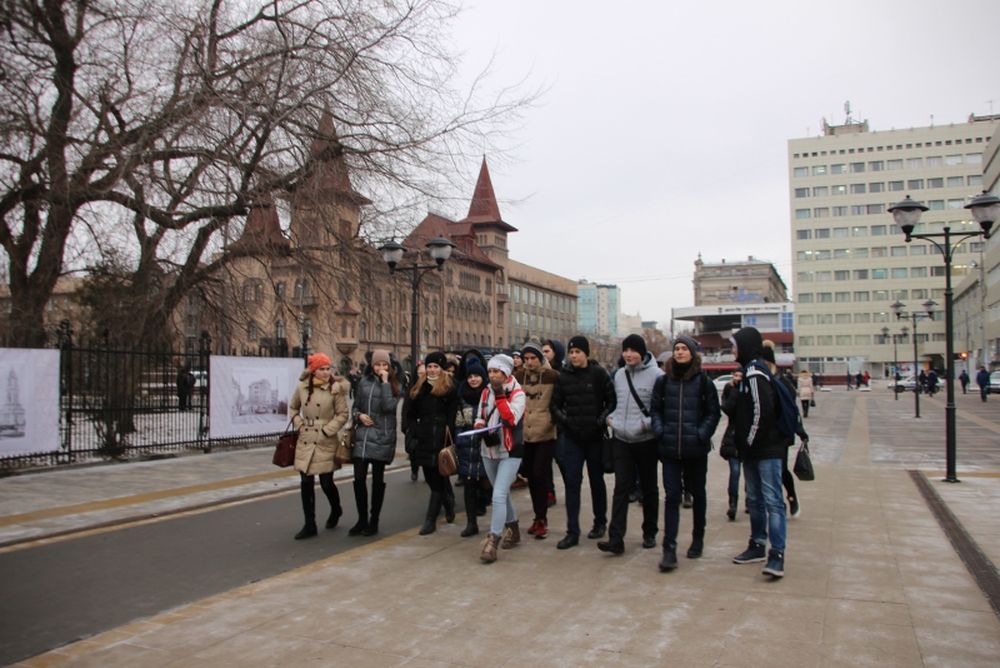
pixel 697 546
pixel 734 502
pixel 361 501
pixel 433 509
pixel 378 496
pixel 333 496
pixel 448 501
pixel 669 560
pixel 308 493
pixel 471 494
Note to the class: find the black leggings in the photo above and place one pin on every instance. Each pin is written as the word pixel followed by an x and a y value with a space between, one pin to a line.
pixel 307 486
pixel 361 471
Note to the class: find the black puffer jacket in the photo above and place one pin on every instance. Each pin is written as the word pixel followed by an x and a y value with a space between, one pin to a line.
pixel 582 400
pixel 427 416
pixel 685 411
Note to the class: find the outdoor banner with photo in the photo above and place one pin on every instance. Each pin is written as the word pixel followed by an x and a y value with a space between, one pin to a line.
pixel 29 401
pixel 249 395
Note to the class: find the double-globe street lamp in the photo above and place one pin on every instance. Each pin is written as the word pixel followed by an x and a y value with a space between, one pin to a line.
pixel 392 253
pixel 929 307
pixel 895 358
pixel 984 208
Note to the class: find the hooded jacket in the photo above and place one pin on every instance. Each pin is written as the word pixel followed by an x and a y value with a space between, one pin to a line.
pixel 582 400
pixel 374 399
pixel 559 354
pixel 685 411
pixel 628 423
pixel 538 388
pixel 504 409
pixel 755 406
pixel 318 411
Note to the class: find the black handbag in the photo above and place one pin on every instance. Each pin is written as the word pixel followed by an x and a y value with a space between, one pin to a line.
pixel 803 468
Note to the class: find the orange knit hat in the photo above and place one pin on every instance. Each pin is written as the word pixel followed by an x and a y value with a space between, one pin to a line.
pixel 317 361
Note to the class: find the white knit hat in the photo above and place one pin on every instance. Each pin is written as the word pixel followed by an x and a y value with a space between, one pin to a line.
pixel 501 362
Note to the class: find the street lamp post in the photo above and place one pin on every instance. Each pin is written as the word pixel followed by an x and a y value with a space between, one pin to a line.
pixel 392 254
pixel 929 306
pixel 984 208
pixel 895 362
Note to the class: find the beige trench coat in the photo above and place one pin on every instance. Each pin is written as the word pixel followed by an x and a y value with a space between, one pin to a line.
pixel 318 419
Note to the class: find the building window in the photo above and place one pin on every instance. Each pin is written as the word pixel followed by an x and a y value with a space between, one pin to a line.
pixel 935 161
pixel 842 319
pixel 876 187
pixel 894 165
pixel 838 169
pixel 799 172
pixel 822 232
pixel 862 296
pixel 839 190
pixel 839 211
pixel 860 253
pixel 952 160
pixel 878 230
pixel 895 186
pixel 936 205
pixel 880 274
pixel 824 297
pixel 858 188
pixel 805 298
pixel 875 209
pixel 803 234
pixel 825 340
pixel 899 272
pixel 857 167
pixel 937 182
pixel 803 214
pixel 862 318
pixel 820 191
pixel 898 251
pixel 842 297
pixel 975 180
pixel 859 231
pixel 915 184
pixel 914 163
pixel 842 275
pixel 802 192
pixel 860 274
pixel 821 212
pixel 876 165
pixel 840 232
pixel 918 249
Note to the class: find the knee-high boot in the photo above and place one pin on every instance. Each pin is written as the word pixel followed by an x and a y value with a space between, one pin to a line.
pixel 378 496
pixel 333 496
pixel 308 494
pixel 448 501
pixel 361 501
pixel 433 509
pixel 471 493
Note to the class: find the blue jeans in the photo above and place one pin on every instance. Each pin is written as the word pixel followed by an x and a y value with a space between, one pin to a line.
pixel 501 473
pixel 734 477
pixel 767 505
pixel 574 455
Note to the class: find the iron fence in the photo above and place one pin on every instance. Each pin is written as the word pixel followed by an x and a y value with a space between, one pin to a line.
pixel 124 403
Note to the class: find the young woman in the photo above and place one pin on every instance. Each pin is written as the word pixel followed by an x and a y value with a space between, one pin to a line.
pixel 374 414
pixel 501 408
pixel 318 410
pixel 430 410
pixel 685 413
pixel 470 463
pixel 805 391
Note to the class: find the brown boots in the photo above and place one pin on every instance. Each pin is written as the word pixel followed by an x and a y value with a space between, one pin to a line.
pixel 511 535
pixel 489 554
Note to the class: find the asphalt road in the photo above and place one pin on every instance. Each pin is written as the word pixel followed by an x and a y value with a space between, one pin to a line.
pixel 58 593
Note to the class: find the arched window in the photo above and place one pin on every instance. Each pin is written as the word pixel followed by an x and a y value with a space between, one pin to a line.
pixel 279 328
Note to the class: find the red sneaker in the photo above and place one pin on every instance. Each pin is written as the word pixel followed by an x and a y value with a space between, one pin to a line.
pixel 552 498
pixel 542 529
pixel 534 527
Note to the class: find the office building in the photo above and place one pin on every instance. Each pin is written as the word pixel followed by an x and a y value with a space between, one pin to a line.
pixel 849 261
pixel 598 306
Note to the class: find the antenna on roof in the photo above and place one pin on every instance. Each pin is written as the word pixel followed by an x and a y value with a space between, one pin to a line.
pixel 847 110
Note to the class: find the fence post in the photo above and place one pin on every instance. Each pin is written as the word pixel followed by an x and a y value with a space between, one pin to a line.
pixel 65 334
pixel 204 410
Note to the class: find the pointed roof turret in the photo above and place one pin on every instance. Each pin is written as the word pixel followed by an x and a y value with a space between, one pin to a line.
pixel 484 208
pixel 331 174
pixel 262 232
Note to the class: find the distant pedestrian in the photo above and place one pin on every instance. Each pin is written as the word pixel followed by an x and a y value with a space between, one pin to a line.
pixel 805 391
pixel 762 450
pixel 922 381
pixel 318 410
pixel 932 382
pixel 185 387
pixel 983 381
pixel 867 378
pixel 848 380
pixel 963 378
pixel 728 447
pixel 375 399
pixel 685 414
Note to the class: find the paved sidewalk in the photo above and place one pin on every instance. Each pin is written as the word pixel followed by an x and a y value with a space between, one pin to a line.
pixel 871 578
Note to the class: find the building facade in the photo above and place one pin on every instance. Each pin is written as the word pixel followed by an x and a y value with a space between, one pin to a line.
pixel 542 305
pixel 849 261
pixel 750 281
pixel 598 307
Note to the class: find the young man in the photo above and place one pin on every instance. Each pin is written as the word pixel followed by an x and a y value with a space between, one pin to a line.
pixel 538 381
pixel 762 450
pixel 983 381
pixel 582 400
pixel 634 444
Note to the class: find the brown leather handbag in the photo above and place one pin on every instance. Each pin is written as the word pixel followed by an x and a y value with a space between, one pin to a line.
pixel 284 452
pixel 447 458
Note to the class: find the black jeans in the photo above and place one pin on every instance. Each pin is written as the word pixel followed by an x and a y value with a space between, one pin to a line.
pixel 691 473
pixel 574 455
pixel 538 463
pixel 629 458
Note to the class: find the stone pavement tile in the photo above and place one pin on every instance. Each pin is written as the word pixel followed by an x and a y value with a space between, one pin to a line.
pixel 110 655
pixel 967 597
pixel 866 643
pixel 949 637
pixel 873 584
pixel 773 652
pixel 846 611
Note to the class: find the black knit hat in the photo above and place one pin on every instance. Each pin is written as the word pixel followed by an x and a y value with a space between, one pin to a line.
pixel 436 357
pixel 634 342
pixel 581 342
pixel 691 344
pixel 474 368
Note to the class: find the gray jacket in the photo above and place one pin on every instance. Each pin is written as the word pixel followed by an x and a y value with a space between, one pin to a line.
pixel 374 399
pixel 628 424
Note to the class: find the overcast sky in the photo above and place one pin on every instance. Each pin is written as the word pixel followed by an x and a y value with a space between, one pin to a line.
pixel 663 132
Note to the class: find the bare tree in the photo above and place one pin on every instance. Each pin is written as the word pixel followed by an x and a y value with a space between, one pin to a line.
pixel 149 127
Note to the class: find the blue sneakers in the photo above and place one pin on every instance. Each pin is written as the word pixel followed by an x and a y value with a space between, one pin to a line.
pixel 775 564
pixel 753 553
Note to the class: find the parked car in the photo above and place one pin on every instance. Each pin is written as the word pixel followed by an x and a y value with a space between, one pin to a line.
pixel 994 383
pixel 908 384
pixel 722 381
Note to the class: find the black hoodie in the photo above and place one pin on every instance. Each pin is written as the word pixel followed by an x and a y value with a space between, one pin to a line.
pixel 755 406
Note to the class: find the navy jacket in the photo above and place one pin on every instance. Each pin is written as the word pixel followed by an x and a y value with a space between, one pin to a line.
pixel 685 412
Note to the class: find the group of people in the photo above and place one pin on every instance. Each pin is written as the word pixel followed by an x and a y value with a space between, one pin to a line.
pixel 505 417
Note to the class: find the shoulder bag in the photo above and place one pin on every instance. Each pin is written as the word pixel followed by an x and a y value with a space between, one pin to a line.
pixel 447 459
